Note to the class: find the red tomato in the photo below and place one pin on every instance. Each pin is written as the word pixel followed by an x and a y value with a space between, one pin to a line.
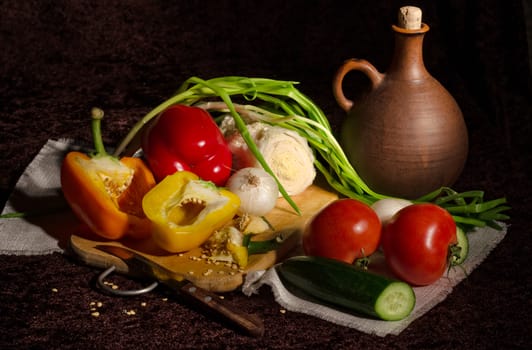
pixel 416 243
pixel 344 230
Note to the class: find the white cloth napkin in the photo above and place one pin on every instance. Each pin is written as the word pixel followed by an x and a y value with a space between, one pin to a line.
pixel 481 242
pixel 39 191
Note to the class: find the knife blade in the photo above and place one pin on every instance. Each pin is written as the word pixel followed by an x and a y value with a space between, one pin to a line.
pixel 209 301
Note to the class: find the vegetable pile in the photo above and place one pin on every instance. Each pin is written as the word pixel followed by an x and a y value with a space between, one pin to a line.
pixel 223 150
pixel 280 103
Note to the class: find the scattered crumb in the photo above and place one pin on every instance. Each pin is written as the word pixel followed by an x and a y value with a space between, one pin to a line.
pixel 130 312
pixel 94 306
pixel 112 285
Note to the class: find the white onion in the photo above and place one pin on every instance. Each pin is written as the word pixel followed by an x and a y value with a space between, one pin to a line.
pixel 257 190
pixel 288 154
pixel 387 207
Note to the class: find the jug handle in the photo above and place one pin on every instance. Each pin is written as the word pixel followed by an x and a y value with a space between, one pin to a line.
pixel 349 65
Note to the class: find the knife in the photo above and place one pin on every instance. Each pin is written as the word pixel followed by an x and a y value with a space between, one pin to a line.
pixel 208 300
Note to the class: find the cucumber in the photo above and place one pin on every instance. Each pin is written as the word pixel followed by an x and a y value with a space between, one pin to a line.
pixel 343 286
pixel 463 243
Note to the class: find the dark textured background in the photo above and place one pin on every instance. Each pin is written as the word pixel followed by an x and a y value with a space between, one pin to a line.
pixel 60 58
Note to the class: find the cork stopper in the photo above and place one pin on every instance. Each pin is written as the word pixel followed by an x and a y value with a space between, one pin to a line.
pixel 409 17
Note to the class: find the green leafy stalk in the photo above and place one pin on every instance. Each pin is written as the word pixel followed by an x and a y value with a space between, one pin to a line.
pixel 469 209
pixel 261 247
pixel 241 126
pixel 34 214
pixel 195 89
pixel 281 103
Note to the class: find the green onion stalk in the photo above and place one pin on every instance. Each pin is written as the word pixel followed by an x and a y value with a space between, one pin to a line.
pixel 280 103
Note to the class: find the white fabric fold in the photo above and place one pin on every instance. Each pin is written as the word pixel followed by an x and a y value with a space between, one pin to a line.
pixel 481 243
pixel 38 191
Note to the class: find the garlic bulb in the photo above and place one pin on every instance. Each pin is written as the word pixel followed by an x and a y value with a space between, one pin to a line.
pixel 286 152
pixel 256 189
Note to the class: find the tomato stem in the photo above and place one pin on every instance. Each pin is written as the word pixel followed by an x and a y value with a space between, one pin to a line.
pixel 454 252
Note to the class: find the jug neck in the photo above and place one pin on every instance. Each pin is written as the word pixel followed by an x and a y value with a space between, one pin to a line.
pixel 407 60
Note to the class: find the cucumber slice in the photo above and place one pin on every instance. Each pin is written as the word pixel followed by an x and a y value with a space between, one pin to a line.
pixel 338 284
pixel 463 243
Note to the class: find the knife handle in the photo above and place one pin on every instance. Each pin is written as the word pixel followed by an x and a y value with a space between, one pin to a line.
pixel 251 324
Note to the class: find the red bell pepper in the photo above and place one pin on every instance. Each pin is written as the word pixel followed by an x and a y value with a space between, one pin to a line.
pixel 187 138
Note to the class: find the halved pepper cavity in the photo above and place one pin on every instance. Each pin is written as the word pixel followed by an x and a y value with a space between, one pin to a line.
pixel 105 193
pixel 185 210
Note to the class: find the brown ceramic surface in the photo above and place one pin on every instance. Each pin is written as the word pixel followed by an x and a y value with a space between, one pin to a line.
pixel 407 136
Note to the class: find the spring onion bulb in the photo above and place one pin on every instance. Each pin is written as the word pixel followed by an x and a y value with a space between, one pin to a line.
pixel 387 207
pixel 257 190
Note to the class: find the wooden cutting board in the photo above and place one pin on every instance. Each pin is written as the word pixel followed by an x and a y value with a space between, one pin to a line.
pixel 217 277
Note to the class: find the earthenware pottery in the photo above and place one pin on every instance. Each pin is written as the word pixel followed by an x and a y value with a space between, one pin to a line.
pixel 407 136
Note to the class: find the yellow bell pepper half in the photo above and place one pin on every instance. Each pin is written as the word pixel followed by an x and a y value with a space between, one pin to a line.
pixel 185 211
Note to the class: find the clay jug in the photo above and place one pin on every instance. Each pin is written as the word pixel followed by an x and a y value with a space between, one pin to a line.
pixel 407 136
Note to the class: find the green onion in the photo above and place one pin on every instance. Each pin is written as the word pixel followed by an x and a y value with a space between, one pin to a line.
pixel 34 214
pixel 261 247
pixel 281 103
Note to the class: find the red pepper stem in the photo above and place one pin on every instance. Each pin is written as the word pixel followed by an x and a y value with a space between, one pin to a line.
pixel 97 116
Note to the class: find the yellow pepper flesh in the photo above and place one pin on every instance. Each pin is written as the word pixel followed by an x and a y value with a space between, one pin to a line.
pixel 185 211
pixel 239 254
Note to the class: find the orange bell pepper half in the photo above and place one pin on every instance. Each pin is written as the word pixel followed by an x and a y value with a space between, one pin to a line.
pixel 106 193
